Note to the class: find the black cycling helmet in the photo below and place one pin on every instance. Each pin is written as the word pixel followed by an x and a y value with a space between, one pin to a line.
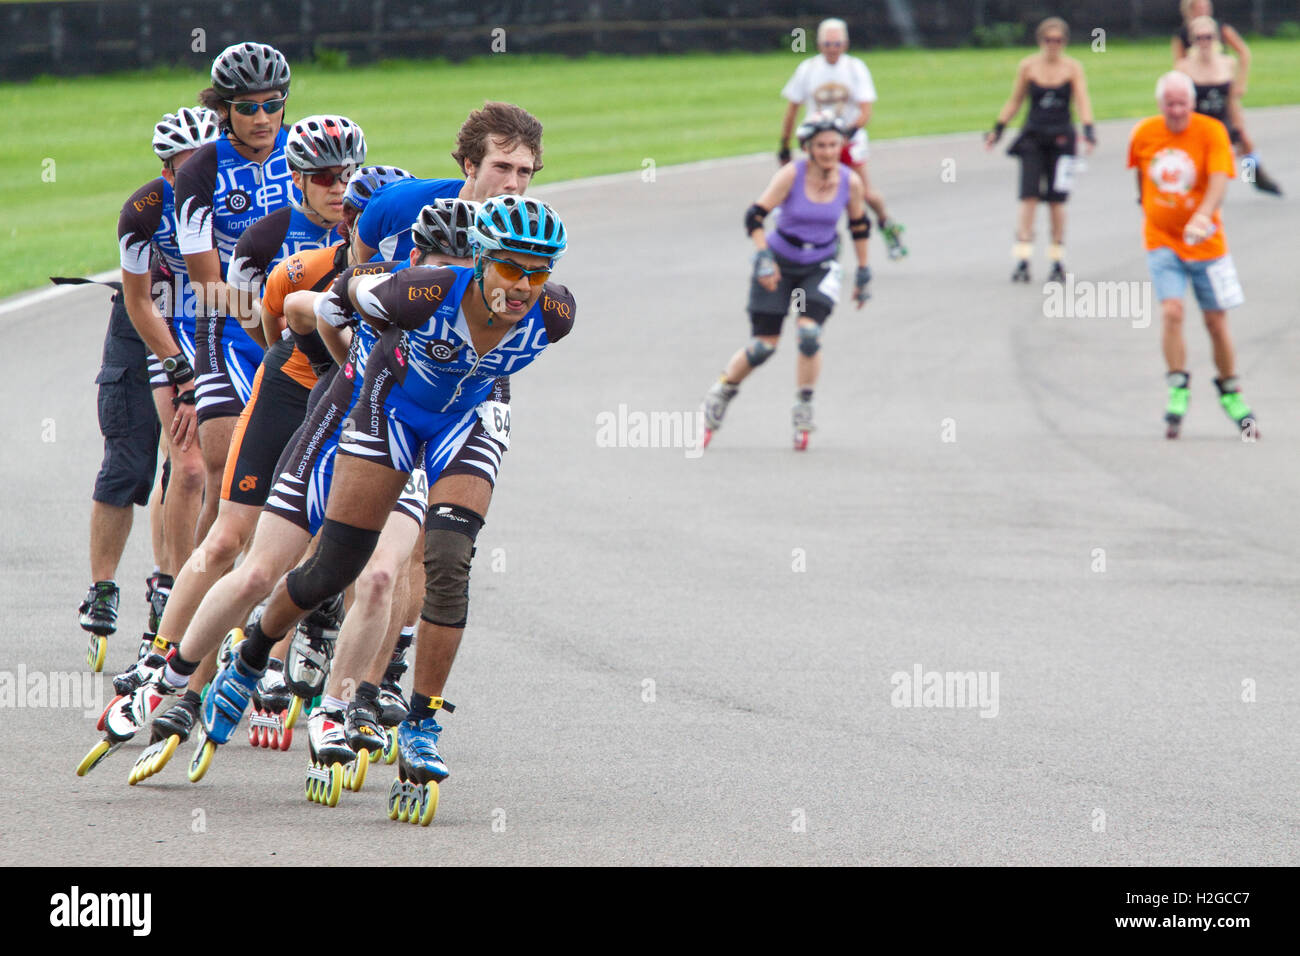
pixel 443 228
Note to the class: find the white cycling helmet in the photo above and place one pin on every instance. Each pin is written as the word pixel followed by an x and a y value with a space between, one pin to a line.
pixel 319 142
pixel 188 128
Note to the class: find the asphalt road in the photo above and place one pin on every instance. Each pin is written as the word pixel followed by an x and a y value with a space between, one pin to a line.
pixel 685 659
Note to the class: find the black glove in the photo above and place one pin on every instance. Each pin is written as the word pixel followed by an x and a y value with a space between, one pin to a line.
pixel 764 264
pixel 783 154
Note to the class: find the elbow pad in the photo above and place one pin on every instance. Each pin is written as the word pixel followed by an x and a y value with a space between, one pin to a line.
pixel 754 217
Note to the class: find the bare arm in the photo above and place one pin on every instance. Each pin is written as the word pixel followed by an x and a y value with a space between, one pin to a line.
pixel 1238 46
pixel 787 122
pixel 246 309
pixel 273 326
pixel 858 209
pixel 1012 106
pixel 1177 48
pixel 864 115
pixel 148 321
pixel 775 194
pixel 1214 193
pixel 1085 109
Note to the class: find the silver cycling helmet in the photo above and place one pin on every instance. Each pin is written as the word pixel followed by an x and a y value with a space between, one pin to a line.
pixel 188 128
pixel 250 68
pixel 319 142
pixel 443 228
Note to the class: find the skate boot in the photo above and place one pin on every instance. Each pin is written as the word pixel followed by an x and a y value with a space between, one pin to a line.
pixel 802 417
pixel 99 617
pixel 311 651
pixel 715 406
pixel 1021 253
pixel 126 717
pixel 159 589
pixel 1236 407
pixel 1264 182
pixel 266 725
pixel 135 675
pixel 420 768
pixel 167 732
pixel 227 698
pixel 893 233
pixel 331 758
pixel 362 724
pixel 1055 254
pixel 1177 406
pixel 393 706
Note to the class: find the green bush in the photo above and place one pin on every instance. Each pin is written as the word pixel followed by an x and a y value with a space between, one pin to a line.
pixel 1287 30
pixel 998 35
pixel 331 61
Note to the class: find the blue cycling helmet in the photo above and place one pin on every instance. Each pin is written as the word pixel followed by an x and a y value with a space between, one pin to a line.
pixel 365 182
pixel 519 224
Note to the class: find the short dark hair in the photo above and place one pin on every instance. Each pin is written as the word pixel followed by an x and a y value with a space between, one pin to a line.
pixel 508 126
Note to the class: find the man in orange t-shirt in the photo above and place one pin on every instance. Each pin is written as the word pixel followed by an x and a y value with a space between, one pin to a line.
pixel 1183 161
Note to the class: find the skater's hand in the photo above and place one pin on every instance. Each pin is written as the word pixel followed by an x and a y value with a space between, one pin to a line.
pixel 783 154
pixel 1198 227
pixel 993 135
pixel 185 423
pixel 861 286
pixel 766 271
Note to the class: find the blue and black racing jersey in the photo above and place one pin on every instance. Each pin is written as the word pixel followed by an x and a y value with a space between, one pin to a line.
pixel 386 222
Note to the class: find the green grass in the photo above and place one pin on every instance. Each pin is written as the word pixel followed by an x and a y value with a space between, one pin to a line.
pixel 602 115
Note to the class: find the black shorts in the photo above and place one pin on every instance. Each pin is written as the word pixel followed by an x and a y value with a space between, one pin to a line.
pixel 1039 153
pixel 127 418
pixel 275 410
pixel 816 289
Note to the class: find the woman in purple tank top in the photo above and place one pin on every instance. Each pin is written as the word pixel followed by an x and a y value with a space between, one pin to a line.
pixel 799 261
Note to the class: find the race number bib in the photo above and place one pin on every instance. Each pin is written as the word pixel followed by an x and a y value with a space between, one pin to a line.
pixel 830 285
pixel 495 417
pixel 1063 180
pixel 1224 282
pixel 417 485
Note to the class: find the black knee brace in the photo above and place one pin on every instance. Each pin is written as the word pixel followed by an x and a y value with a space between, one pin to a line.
pixel 449 536
pixel 343 553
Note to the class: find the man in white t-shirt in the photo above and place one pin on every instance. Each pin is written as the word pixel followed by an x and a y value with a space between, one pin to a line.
pixel 837 83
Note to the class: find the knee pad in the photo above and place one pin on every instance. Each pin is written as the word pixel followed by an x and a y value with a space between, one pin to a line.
pixel 810 339
pixel 343 553
pixel 758 351
pixel 449 534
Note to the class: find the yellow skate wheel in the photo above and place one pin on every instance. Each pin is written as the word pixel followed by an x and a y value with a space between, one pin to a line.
pixel 331 797
pixel 202 760
pixel 92 759
pixel 428 804
pixel 160 759
pixel 390 747
pixel 295 708
pixel 357 772
pixel 95 652
pixel 394 799
pixel 311 789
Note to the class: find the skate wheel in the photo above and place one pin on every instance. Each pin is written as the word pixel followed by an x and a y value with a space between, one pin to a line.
pixel 202 760
pixel 95 652
pixel 428 804
pixel 310 787
pixel 270 738
pixel 92 759
pixel 252 733
pixel 390 746
pixel 358 772
pixel 708 437
pixel 394 799
pixel 286 738
pixel 330 797
pixel 295 708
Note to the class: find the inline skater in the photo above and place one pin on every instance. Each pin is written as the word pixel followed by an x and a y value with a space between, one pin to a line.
pixel 837 83
pixel 1183 161
pixel 226 187
pixel 323 152
pixel 137 333
pixel 1047 143
pixel 498 148
pixel 1184 46
pixel 801 253
pixel 506 320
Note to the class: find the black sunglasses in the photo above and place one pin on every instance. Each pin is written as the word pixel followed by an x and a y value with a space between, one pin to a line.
pixel 249 108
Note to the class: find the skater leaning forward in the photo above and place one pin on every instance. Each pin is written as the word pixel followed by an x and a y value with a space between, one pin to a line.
pixel 1047 142
pixel 1183 161
pixel 800 257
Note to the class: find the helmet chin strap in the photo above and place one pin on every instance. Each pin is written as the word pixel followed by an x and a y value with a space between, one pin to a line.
pixel 478 277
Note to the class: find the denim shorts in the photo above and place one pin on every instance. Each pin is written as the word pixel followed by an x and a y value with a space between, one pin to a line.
pixel 1213 280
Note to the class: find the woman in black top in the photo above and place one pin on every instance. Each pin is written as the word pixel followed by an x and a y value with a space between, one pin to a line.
pixel 1047 142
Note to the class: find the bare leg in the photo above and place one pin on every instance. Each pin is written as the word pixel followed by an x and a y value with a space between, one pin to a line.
pixel 738 368
pixel 110 526
pixel 214 443
pixel 1171 316
pixel 1225 359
